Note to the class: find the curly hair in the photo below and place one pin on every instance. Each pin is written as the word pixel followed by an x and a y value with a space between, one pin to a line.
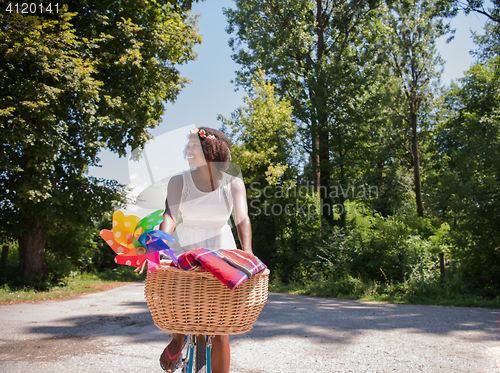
pixel 216 150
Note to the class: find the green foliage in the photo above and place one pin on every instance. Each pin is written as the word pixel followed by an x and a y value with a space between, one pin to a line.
pixel 378 116
pixel 409 30
pixel 136 49
pixel 73 248
pixel 338 95
pixel 428 290
pixel 384 125
pixel 263 133
pixel 72 84
pixel 395 190
pixel 465 170
pixel 342 287
pixel 493 13
pixel 48 97
pixel 315 54
pixel 370 247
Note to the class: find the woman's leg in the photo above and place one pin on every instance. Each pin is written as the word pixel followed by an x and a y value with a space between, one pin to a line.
pixel 221 355
pixel 173 349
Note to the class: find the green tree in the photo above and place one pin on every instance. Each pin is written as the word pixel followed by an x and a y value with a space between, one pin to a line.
pixel 137 48
pixel 310 50
pixel 466 169
pixel 73 84
pixel 478 6
pixel 412 28
pixel 263 135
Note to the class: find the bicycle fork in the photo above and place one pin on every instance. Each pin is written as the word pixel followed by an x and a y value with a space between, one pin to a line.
pixel 194 351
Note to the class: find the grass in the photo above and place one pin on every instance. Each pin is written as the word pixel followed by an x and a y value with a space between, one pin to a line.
pixel 430 293
pixel 76 284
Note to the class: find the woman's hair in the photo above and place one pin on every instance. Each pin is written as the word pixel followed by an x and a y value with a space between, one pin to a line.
pixel 215 144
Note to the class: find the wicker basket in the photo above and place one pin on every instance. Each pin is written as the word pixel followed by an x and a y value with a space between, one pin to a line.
pixel 189 302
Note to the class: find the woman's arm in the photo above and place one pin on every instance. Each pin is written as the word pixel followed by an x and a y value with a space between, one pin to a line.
pixel 174 193
pixel 241 214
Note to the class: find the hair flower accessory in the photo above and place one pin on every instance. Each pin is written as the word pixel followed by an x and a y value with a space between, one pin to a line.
pixel 202 133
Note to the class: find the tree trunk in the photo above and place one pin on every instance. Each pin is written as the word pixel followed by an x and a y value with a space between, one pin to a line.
pixel 342 182
pixel 315 160
pixel 324 159
pixel 442 266
pixel 326 206
pixel 416 164
pixel 5 256
pixel 32 262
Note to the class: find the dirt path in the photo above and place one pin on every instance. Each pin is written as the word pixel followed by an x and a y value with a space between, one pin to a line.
pixel 112 331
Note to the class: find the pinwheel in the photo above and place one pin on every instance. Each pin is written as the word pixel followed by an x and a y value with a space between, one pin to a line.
pixel 134 240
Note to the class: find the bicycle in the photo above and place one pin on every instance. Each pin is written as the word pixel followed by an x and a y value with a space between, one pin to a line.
pixel 198 354
pixel 197 349
pixel 196 303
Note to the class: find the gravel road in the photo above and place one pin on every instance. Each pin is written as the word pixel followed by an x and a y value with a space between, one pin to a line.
pixel 112 331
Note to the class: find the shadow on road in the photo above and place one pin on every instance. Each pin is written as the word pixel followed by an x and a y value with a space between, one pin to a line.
pixel 317 317
pixel 289 315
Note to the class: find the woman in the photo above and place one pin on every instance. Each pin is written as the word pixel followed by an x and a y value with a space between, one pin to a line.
pixel 205 197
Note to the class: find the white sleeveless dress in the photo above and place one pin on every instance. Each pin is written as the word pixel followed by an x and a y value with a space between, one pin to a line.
pixel 204 217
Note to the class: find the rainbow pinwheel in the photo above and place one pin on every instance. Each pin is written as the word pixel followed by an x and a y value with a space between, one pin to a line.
pixel 134 240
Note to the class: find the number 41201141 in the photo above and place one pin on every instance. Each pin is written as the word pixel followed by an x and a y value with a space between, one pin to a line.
pixel 32 8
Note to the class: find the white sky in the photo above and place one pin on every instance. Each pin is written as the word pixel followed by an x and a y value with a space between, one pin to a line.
pixel 212 92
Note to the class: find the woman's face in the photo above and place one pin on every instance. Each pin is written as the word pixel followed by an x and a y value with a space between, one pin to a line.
pixel 194 153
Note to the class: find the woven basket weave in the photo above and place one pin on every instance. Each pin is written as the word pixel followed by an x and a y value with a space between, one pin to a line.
pixel 189 302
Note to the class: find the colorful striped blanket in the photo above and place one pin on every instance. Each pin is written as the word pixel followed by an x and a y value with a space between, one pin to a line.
pixel 231 267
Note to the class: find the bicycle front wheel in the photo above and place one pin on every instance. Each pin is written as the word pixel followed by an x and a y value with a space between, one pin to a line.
pixel 201 354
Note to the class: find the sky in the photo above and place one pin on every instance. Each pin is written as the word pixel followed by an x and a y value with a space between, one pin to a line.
pixel 212 93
